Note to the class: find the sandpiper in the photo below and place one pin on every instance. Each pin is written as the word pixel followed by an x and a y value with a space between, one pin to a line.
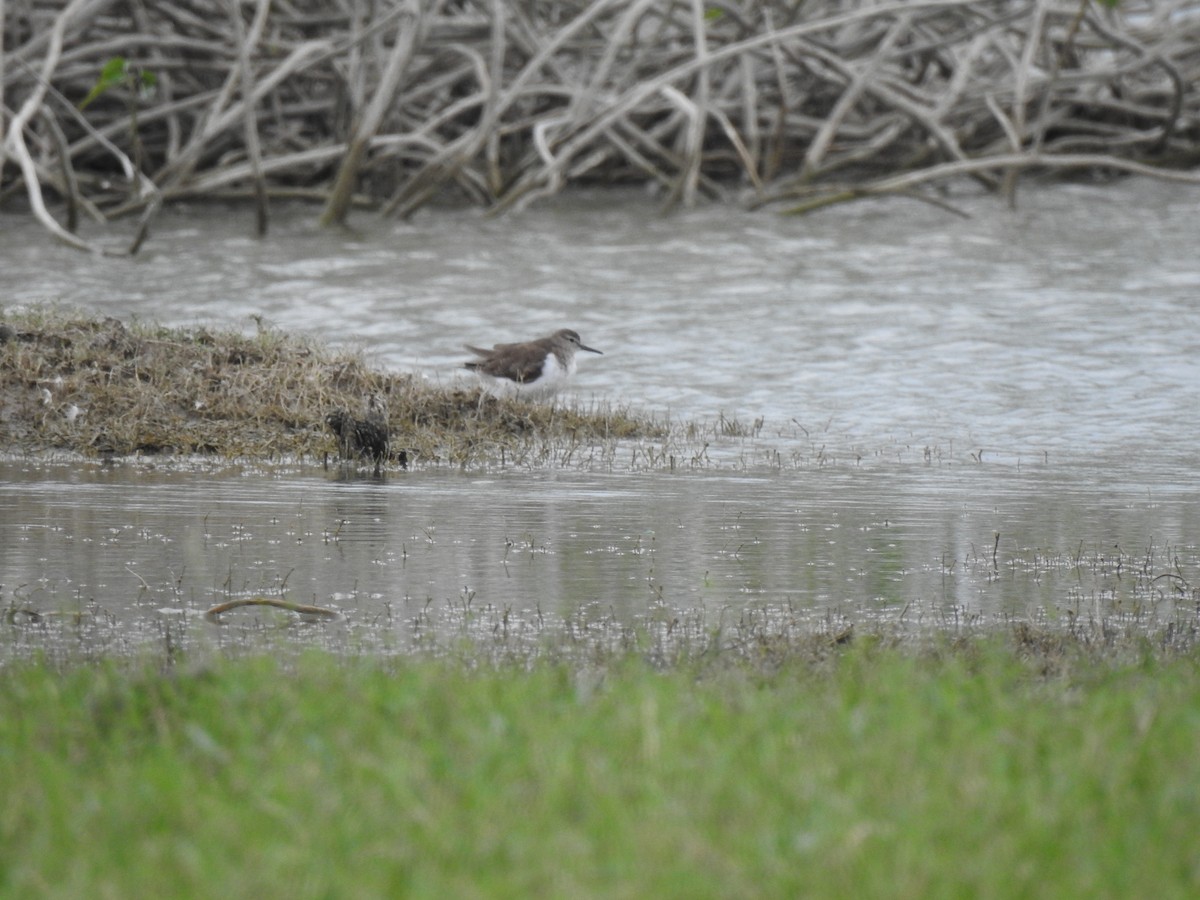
pixel 535 369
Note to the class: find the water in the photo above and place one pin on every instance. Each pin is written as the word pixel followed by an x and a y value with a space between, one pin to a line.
pixel 918 384
pixel 144 554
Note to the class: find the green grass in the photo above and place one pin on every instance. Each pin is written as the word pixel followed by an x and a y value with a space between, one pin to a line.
pixel 878 772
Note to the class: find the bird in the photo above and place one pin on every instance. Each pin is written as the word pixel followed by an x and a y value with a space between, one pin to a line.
pixel 534 369
pixel 366 438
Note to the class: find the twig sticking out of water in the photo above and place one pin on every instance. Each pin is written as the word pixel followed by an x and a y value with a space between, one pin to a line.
pixel 214 614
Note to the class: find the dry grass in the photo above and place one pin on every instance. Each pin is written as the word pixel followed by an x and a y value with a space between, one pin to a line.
pixel 101 387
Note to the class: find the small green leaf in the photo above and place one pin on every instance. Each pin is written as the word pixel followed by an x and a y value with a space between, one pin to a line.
pixel 115 71
pixel 712 13
pixel 147 85
pixel 118 71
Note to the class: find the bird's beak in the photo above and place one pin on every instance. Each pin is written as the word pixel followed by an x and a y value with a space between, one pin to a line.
pixel 591 349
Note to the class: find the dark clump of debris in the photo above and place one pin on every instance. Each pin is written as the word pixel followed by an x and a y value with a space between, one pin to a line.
pixel 365 438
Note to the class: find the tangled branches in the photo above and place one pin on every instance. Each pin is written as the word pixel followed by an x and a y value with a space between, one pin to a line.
pixel 389 104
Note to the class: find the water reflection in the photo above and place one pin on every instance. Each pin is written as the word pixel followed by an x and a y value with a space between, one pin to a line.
pixel 426 553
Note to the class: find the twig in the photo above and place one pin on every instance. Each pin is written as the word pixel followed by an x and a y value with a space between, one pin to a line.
pixel 503 102
pixel 214 614
pixel 253 148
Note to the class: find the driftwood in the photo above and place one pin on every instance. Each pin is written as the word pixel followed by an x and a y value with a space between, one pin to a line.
pixel 214 614
pixel 388 104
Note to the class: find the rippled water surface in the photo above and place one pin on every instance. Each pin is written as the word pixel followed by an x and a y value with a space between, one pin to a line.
pixel 924 383
pixel 513 558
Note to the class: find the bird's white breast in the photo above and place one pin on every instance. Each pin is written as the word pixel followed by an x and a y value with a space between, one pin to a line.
pixel 553 376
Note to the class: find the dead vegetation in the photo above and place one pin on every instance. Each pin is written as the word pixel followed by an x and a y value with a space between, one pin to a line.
pixel 391 105
pixel 759 641
pixel 102 388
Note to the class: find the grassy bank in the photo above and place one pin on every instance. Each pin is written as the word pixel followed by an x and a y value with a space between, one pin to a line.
pixel 102 387
pixel 964 771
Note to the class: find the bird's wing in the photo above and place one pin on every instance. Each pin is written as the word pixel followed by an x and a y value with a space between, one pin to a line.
pixel 521 368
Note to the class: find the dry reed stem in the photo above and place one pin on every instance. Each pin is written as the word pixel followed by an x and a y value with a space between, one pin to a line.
pixel 395 104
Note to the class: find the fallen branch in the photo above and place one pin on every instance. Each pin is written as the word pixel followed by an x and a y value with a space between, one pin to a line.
pixel 903 184
pixel 215 613
pixel 504 101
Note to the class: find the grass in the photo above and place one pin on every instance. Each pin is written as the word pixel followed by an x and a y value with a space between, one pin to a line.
pixel 957 770
pixel 1019 762
pixel 100 387
pixel 107 389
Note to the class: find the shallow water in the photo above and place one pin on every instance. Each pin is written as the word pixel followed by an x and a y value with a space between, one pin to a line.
pixel 918 383
pixel 519 558
pixel 1068 326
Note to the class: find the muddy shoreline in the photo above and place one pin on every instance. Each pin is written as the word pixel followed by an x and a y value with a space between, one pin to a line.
pixel 104 388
